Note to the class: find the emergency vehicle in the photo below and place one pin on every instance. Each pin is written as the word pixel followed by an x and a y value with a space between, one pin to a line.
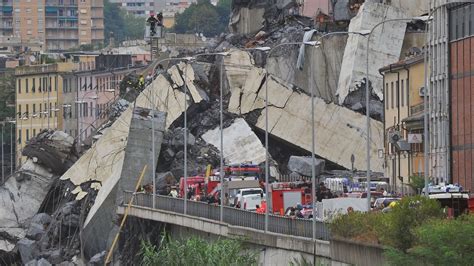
pixel 288 194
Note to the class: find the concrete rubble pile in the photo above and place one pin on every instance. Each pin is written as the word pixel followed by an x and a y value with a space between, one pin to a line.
pixel 92 188
pixel 30 190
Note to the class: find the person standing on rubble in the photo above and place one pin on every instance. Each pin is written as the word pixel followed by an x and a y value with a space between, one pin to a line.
pixel 152 21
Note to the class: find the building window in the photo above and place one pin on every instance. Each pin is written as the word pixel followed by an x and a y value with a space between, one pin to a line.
pixel 41 110
pixel 34 133
pixel 26 85
pixel 407 88
pixel 19 136
pixel 19 86
pixel 33 87
pixel 392 96
pixel 386 96
pixel 19 111
pixel 27 110
pixel 34 109
pixel 27 135
pixel 398 93
pixel 402 90
pixel 55 83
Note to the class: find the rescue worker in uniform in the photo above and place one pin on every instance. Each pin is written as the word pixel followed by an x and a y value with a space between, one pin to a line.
pixel 159 18
pixel 152 21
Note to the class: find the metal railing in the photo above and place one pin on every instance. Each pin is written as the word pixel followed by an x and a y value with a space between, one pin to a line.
pixel 233 216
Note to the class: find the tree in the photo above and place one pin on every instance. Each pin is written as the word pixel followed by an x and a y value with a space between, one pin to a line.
pixel 197 251
pixel 203 17
pixel 122 24
pixel 439 242
pixel 417 183
pixel 113 21
pixel 397 228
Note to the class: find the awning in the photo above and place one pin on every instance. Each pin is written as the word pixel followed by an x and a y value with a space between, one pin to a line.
pixel 414 121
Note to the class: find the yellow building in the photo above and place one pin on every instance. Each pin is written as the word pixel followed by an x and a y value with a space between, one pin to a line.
pixel 403 103
pixel 38 100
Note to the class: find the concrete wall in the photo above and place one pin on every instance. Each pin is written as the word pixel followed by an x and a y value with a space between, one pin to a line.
pixel 385 48
pixel 247 20
pixel 356 253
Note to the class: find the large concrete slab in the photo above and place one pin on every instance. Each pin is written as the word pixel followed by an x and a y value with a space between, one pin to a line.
pixel 385 47
pixel 104 161
pixel 340 132
pixel 240 143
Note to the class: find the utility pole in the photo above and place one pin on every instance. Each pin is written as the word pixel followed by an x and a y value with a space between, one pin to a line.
pixel 3 155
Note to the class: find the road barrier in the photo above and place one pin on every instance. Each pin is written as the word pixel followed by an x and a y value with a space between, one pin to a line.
pixel 233 216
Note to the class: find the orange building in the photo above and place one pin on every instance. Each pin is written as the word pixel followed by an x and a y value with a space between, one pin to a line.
pixel 57 25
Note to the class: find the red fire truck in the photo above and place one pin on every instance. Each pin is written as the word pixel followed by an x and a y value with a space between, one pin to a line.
pixel 201 184
pixel 288 194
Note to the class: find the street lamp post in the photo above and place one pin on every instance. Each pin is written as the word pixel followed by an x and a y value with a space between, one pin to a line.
pixel 270 50
pixel 313 136
pixel 12 123
pixel 3 156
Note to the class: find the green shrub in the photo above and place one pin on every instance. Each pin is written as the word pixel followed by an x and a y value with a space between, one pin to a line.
pixel 357 226
pixel 440 242
pixel 397 229
pixel 196 251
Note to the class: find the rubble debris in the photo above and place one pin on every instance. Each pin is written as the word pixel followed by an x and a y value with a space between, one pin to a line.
pixel 40 262
pixel 28 250
pixel 303 165
pixel 164 181
pixel 240 143
pixel 385 48
pixel 200 154
pixel 98 259
pixel 52 149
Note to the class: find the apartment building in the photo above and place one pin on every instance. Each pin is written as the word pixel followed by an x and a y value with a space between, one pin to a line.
pixel 403 120
pixel 142 7
pixel 38 98
pixel 57 25
pixel 461 92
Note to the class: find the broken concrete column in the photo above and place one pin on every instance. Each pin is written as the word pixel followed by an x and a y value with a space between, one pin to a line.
pixel 138 151
pixel 320 71
pixel 247 20
pixel 385 47
pixel 303 165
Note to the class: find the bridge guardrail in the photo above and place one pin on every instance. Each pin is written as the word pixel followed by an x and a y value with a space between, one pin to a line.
pixel 233 216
